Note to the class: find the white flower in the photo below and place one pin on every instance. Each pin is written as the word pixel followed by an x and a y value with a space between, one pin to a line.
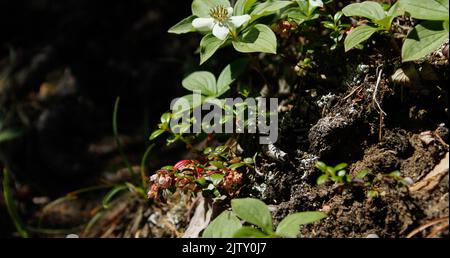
pixel 220 21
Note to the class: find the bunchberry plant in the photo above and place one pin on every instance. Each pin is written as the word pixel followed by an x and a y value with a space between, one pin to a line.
pixel 425 38
pixel 221 24
pixel 258 222
pixel 431 33
pixel 380 20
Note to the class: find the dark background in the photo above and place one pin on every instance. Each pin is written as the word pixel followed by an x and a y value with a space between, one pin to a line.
pixel 96 50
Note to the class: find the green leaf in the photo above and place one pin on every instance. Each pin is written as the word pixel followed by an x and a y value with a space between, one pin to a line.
pixel 321 166
pixel 242 7
pixel 423 40
pixel 435 10
pixel 268 8
pixel 446 26
pixel 224 226
pixel 208 46
pixel 216 178
pixel 217 164
pixel 229 74
pixel 156 134
pixel 340 166
pixel 236 165
pixel 290 226
pixel 253 211
pixel 9 134
pixel 297 14
pixel 358 35
pixel 342 173
pixel 328 25
pixel 191 105
pixel 322 179
pixel 249 232
pixel 110 195
pixel 395 174
pixel 367 9
pixel 248 161
pixel 165 118
pixel 201 8
pixel 362 174
pixel 203 81
pixel 259 38
pixel 183 26
pixel 372 194
pixel 393 12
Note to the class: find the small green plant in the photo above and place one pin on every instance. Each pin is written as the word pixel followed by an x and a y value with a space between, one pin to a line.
pixel 256 214
pixel 337 27
pixel 380 20
pixel 306 10
pixel 374 186
pixel 431 33
pixel 210 88
pixel 337 174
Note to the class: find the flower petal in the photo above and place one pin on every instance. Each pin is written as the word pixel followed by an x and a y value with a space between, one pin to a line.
pixel 230 11
pixel 220 31
pixel 238 21
pixel 317 3
pixel 203 23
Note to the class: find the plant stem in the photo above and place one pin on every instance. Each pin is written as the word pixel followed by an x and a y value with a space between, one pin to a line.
pixel 11 206
pixel 116 136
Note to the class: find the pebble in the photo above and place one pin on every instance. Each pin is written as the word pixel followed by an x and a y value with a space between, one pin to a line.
pixel 372 236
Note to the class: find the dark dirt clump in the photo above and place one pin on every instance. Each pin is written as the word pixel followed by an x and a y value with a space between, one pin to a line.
pixel 374 125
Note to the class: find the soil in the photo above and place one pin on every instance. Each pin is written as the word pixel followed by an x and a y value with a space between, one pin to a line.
pixel 350 131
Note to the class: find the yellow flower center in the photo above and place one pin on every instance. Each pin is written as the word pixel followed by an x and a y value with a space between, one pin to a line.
pixel 219 13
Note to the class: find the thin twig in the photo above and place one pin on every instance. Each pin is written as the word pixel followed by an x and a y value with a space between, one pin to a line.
pixel 374 98
pixel 380 133
pixel 438 230
pixel 380 110
pixel 351 93
pixel 427 225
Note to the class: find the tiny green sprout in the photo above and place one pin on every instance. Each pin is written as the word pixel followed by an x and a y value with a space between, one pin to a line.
pixel 258 221
pixel 336 174
pixel 374 186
